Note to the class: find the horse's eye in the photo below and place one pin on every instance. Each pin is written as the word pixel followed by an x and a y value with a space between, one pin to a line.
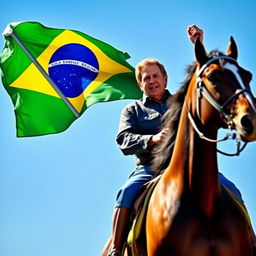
pixel 212 77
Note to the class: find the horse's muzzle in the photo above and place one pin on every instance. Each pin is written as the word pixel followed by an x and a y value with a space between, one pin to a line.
pixel 246 126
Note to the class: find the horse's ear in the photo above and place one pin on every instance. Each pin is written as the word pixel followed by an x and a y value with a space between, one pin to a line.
pixel 200 52
pixel 232 49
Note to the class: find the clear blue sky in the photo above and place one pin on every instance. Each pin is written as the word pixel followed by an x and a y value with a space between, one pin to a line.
pixel 57 192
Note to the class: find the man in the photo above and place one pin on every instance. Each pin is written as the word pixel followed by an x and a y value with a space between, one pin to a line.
pixel 138 133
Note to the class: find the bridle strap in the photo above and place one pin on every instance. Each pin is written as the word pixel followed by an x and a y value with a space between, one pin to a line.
pixel 201 135
pixel 213 60
pixel 202 90
pixel 233 97
pixel 228 136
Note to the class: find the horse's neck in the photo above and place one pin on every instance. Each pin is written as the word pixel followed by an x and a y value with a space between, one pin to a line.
pixel 202 169
pixel 193 167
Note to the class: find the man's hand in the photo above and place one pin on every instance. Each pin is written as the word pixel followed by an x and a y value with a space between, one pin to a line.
pixel 157 138
pixel 193 32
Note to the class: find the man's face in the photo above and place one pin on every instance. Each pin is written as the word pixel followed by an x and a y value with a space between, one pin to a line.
pixel 153 82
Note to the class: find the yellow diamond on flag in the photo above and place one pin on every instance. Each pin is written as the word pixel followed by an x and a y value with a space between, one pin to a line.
pixel 32 79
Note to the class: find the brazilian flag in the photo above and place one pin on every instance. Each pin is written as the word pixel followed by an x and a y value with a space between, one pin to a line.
pixel 84 69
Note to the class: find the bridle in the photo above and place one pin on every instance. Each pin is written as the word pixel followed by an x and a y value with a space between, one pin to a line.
pixel 202 91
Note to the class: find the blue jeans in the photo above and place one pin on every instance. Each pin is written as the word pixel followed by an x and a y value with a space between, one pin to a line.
pixel 129 192
pixel 229 184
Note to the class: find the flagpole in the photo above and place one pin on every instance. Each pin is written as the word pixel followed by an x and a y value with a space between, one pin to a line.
pixel 9 32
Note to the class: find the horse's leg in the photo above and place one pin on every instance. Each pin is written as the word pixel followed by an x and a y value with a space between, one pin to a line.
pixel 105 250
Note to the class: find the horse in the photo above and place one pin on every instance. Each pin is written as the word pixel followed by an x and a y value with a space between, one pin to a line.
pixel 190 213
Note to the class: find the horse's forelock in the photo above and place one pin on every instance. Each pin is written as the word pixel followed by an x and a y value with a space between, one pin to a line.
pixel 215 53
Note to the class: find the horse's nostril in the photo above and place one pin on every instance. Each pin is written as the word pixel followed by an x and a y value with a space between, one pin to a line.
pixel 246 124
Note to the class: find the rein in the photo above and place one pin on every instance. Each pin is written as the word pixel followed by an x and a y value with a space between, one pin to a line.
pixel 203 91
pixel 228 136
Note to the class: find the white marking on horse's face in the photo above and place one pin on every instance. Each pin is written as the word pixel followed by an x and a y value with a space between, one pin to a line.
pixel 234 69
pixel 244 115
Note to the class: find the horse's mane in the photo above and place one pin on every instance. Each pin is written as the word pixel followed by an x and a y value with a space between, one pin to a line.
pixel 162 152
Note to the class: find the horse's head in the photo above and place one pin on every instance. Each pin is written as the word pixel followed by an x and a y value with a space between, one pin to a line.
pixel 223 90
pixel 216 94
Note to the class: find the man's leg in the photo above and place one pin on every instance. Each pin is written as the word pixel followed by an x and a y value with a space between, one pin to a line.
pixel 124 206
pixel 121 224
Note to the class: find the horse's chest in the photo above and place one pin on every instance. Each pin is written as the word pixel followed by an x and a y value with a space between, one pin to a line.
pixel 195 235
pixel 182 228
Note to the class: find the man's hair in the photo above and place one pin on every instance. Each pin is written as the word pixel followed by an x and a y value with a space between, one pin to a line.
pixel 145 63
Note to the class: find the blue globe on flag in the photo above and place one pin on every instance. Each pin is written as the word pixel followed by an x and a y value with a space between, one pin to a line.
pixel 73 67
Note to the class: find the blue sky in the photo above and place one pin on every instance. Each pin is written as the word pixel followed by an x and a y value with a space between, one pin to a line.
pixel 57 192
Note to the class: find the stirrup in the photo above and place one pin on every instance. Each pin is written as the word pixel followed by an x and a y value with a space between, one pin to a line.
pixel 114 253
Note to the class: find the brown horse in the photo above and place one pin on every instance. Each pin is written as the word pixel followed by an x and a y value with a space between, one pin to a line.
pixel 189 213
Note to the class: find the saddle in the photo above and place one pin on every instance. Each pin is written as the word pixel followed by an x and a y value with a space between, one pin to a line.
pixel 136 237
